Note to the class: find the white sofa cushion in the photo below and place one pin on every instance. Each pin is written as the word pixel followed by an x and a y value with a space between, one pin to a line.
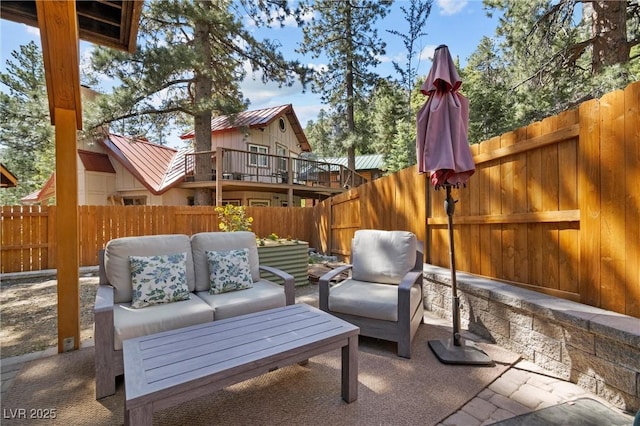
pixel 262 296
pixel 382 256
pixel 219 241
pixel 129 322
pixel 369 300
pixel 117 252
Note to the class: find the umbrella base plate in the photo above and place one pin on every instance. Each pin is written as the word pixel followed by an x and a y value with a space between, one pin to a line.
pixel 467 353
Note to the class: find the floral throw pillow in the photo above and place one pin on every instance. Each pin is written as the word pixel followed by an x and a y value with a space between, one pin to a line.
pixel 229 270
pixel 158 279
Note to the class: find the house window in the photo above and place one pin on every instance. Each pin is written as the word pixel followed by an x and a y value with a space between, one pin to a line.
pixel 281 152
pixel 282 125
pixel 259 203
pixel 232 202
pixel 134 201
pixel 255 159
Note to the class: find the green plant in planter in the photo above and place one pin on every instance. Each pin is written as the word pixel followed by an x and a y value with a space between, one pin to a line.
pixel 233 218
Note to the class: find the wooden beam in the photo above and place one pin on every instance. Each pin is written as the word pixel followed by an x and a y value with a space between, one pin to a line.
pixel 58 24
pixel 60 49
pixel 67 234
pixel 555 216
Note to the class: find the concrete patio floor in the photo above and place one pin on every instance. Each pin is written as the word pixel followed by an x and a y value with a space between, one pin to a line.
pixel 523 388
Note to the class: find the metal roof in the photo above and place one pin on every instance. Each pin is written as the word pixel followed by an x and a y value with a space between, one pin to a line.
pixel 256 119
pixel 363 162
pixel 147 161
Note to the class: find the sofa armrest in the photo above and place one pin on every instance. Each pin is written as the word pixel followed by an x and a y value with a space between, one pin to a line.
pixel 404 292
pixel 104 299
pixel 324 285
pixel 289 282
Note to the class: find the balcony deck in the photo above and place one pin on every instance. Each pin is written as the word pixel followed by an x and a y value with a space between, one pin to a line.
pixel 236 170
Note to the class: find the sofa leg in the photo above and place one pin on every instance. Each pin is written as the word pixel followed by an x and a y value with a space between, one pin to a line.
pixel 105 376
pixel 105 386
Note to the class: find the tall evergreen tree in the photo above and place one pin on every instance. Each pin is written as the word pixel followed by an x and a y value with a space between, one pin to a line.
pixel 416 16
pixel 487 86
pixel 344 32
pixel 190 61
pixel 26 135
pixel 558 58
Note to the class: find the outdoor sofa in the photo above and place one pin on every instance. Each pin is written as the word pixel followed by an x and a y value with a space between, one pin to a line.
pixel 130 303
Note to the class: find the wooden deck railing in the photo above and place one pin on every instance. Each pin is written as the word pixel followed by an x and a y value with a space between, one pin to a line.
pixel 267 168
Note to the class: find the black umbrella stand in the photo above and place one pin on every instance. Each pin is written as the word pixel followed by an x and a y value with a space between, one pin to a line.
pixel 456 350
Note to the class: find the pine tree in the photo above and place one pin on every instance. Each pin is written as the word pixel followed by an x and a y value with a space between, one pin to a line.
pixel 344 32
pixel 190 61
pixel 556 60
pixel 26 135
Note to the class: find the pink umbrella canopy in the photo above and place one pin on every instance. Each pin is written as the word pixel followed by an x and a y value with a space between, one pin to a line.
pixel 442 146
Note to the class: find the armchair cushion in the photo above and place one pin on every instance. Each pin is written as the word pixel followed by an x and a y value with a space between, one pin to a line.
pixel 229 270
pixel 158 279
pixel 382 256
pixel 369 300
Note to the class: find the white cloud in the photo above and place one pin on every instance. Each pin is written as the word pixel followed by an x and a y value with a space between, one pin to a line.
pixel 428 52
pixel 35 31
pixel 451 7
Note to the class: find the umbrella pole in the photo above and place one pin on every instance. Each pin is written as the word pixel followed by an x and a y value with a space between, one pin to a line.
pixel 450 207
pixel 456 350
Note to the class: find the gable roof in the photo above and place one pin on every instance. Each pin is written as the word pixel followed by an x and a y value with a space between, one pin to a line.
pixel 257 119
pixel 363 162
pixel 47 191
pixel 9 180
pixel 148 162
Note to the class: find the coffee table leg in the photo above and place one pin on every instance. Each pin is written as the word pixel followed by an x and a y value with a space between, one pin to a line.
pixel 350 370
pixel 142 415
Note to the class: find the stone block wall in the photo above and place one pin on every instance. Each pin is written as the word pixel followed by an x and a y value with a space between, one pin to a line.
pixel 594 348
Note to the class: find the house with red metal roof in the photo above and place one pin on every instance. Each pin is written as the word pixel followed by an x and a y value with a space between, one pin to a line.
pixel 257 158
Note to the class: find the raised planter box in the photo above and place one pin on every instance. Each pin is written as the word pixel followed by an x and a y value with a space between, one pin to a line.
pixel 289 256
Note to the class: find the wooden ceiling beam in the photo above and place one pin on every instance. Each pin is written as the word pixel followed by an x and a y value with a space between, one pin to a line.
pixel 58 24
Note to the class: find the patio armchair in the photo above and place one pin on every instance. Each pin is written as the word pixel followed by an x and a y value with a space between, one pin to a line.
pixel 384 295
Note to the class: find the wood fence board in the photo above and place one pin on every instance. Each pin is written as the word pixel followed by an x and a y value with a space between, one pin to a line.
pixel 589 202
pixel 612 198
pixel 506 207
pixel 485 208
pixel 550 180
pixel 632 201
pixel 534 204
pixel 473 231
pixel 52 249
pixel 495 207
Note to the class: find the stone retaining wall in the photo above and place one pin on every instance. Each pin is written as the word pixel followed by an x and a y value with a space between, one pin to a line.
pixel 594 348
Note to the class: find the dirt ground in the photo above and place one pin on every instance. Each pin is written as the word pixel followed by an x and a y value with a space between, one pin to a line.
pixel 28 314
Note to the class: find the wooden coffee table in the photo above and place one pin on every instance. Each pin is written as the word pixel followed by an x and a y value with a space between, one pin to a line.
pixel 169 368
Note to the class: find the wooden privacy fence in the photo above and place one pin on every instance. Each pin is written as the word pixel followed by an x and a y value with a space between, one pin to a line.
pixel 553 207
pixel 28 237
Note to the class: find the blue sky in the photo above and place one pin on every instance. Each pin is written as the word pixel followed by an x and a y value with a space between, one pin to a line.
pixel 460 24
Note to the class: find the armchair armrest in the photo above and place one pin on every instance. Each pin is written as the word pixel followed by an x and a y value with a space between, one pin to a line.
pixel 324 285
pixel 289 282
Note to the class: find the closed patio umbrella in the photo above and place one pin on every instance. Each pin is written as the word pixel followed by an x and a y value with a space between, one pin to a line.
pixel 442 150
